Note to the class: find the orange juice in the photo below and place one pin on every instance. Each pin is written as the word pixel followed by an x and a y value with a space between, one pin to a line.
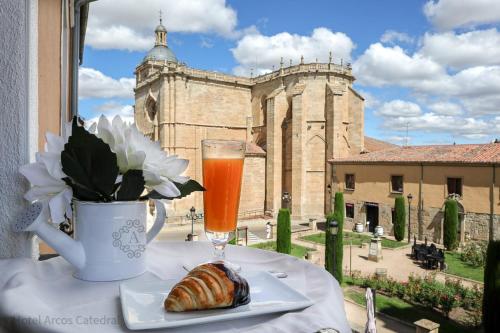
pixel 222 181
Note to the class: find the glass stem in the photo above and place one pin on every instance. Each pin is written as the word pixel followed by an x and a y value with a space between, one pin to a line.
pixel 219 253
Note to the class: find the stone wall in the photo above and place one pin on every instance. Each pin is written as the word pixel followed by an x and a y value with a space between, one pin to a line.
pixel 475 227
pixel 253 187
pixel 478 225
pixel 283 112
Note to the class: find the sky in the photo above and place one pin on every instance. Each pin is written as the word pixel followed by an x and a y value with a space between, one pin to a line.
pixel 429 70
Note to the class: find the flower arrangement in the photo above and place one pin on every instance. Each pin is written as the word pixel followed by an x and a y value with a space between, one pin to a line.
pixel 111 161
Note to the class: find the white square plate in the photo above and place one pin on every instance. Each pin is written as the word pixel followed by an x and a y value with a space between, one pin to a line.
pixel 142 303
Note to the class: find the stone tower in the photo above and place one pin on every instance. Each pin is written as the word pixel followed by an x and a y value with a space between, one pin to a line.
pixel 293 119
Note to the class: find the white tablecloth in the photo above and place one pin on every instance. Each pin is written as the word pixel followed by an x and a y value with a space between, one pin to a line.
pixel 44 297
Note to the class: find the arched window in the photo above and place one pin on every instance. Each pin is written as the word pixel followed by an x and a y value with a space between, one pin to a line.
pixel 151 108
pixel 263 107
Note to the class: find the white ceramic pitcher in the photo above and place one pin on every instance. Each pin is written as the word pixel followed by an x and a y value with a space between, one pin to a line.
pixel 109 238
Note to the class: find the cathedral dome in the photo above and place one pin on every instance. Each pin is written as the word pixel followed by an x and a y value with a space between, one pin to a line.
pixel 160 53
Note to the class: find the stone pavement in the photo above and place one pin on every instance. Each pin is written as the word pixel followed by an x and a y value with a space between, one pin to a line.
pixel 398 263
pixel 356 316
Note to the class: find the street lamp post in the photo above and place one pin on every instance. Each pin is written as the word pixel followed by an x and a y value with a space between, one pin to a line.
pixel 334 229
pixel 287 197
pixel 409 197
pixel 193 216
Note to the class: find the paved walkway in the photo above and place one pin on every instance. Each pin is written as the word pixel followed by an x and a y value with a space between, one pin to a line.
pixel 398 263
pixel 356 315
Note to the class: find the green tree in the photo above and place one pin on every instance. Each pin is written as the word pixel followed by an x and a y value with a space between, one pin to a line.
pixel 335 268
pixel 399 218
pixel 491 297
pixel 284 232
pixel 339 206
pixel 450 224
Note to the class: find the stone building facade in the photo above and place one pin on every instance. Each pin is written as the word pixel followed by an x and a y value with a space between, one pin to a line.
pixel 470 173
pixel 293 119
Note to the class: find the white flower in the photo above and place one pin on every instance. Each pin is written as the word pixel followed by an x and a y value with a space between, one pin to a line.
pixel 45 176
pixel 116 135
pixel 135 151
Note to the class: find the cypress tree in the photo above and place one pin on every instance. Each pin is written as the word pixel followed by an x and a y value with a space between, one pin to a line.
pixel 329 265
pixel 491 297
pixel 284 232
pixel 399 218
pixel 450 224
pixel 335 268
pixel 339 206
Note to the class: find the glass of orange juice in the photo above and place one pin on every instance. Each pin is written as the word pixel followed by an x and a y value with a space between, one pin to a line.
pixel 222 174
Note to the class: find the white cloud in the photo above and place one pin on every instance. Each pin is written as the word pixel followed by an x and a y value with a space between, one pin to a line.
pixel 450 14
pixel 383 65
pixel 371 101
pixel 391 66
pixel 261 52
pixel 446 108
pixel 110 109
pixel 391 36
pixel 95 84
pixel 399 108
pixel 118 37
pixel 206 42
pixel 477 81
pixel 480 47
pixel 430 122
pixel 129 24
pixel 396 115
pixel 483 105
pixel 398 139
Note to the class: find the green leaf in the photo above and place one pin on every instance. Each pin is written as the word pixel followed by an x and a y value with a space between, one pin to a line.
pixel 187 188
pixel 89 163
pixel 132 186
pixel 82 193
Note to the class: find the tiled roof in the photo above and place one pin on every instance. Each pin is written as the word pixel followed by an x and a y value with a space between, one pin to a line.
pixel 254 150
pixel 456 154
pixel 372 144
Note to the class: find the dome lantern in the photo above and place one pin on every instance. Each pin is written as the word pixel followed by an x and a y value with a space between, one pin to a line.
pixel 161 51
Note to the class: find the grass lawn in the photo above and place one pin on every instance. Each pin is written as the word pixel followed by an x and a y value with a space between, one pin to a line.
pixel 356 239
pixel 457 267
pixel 297 250
pixel 397 308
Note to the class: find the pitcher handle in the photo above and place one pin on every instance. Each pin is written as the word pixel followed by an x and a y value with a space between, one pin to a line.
pixel 161 214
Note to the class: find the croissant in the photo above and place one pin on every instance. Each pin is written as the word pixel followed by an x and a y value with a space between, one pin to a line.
pixel 208 286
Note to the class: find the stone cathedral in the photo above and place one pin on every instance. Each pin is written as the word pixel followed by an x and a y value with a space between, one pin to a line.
pixel 293 119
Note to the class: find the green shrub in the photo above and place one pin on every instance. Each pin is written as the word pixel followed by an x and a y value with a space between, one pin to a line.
pixel 428 292
pixel 339 206
pixel 339 213
pixel 450 224
pixel 474 253
pixel 328 245
pixel 335 268
pixel 399 218
pixel 491 299
pixel 284 232
pixel 447 301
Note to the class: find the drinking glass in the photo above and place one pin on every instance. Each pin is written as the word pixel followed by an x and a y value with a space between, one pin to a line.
pixel 222 173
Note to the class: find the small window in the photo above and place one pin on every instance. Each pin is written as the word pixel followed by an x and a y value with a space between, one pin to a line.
pixel 349 210
pixel 393 215
pixel 397 184
pixel 455 186
pixel 349 181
